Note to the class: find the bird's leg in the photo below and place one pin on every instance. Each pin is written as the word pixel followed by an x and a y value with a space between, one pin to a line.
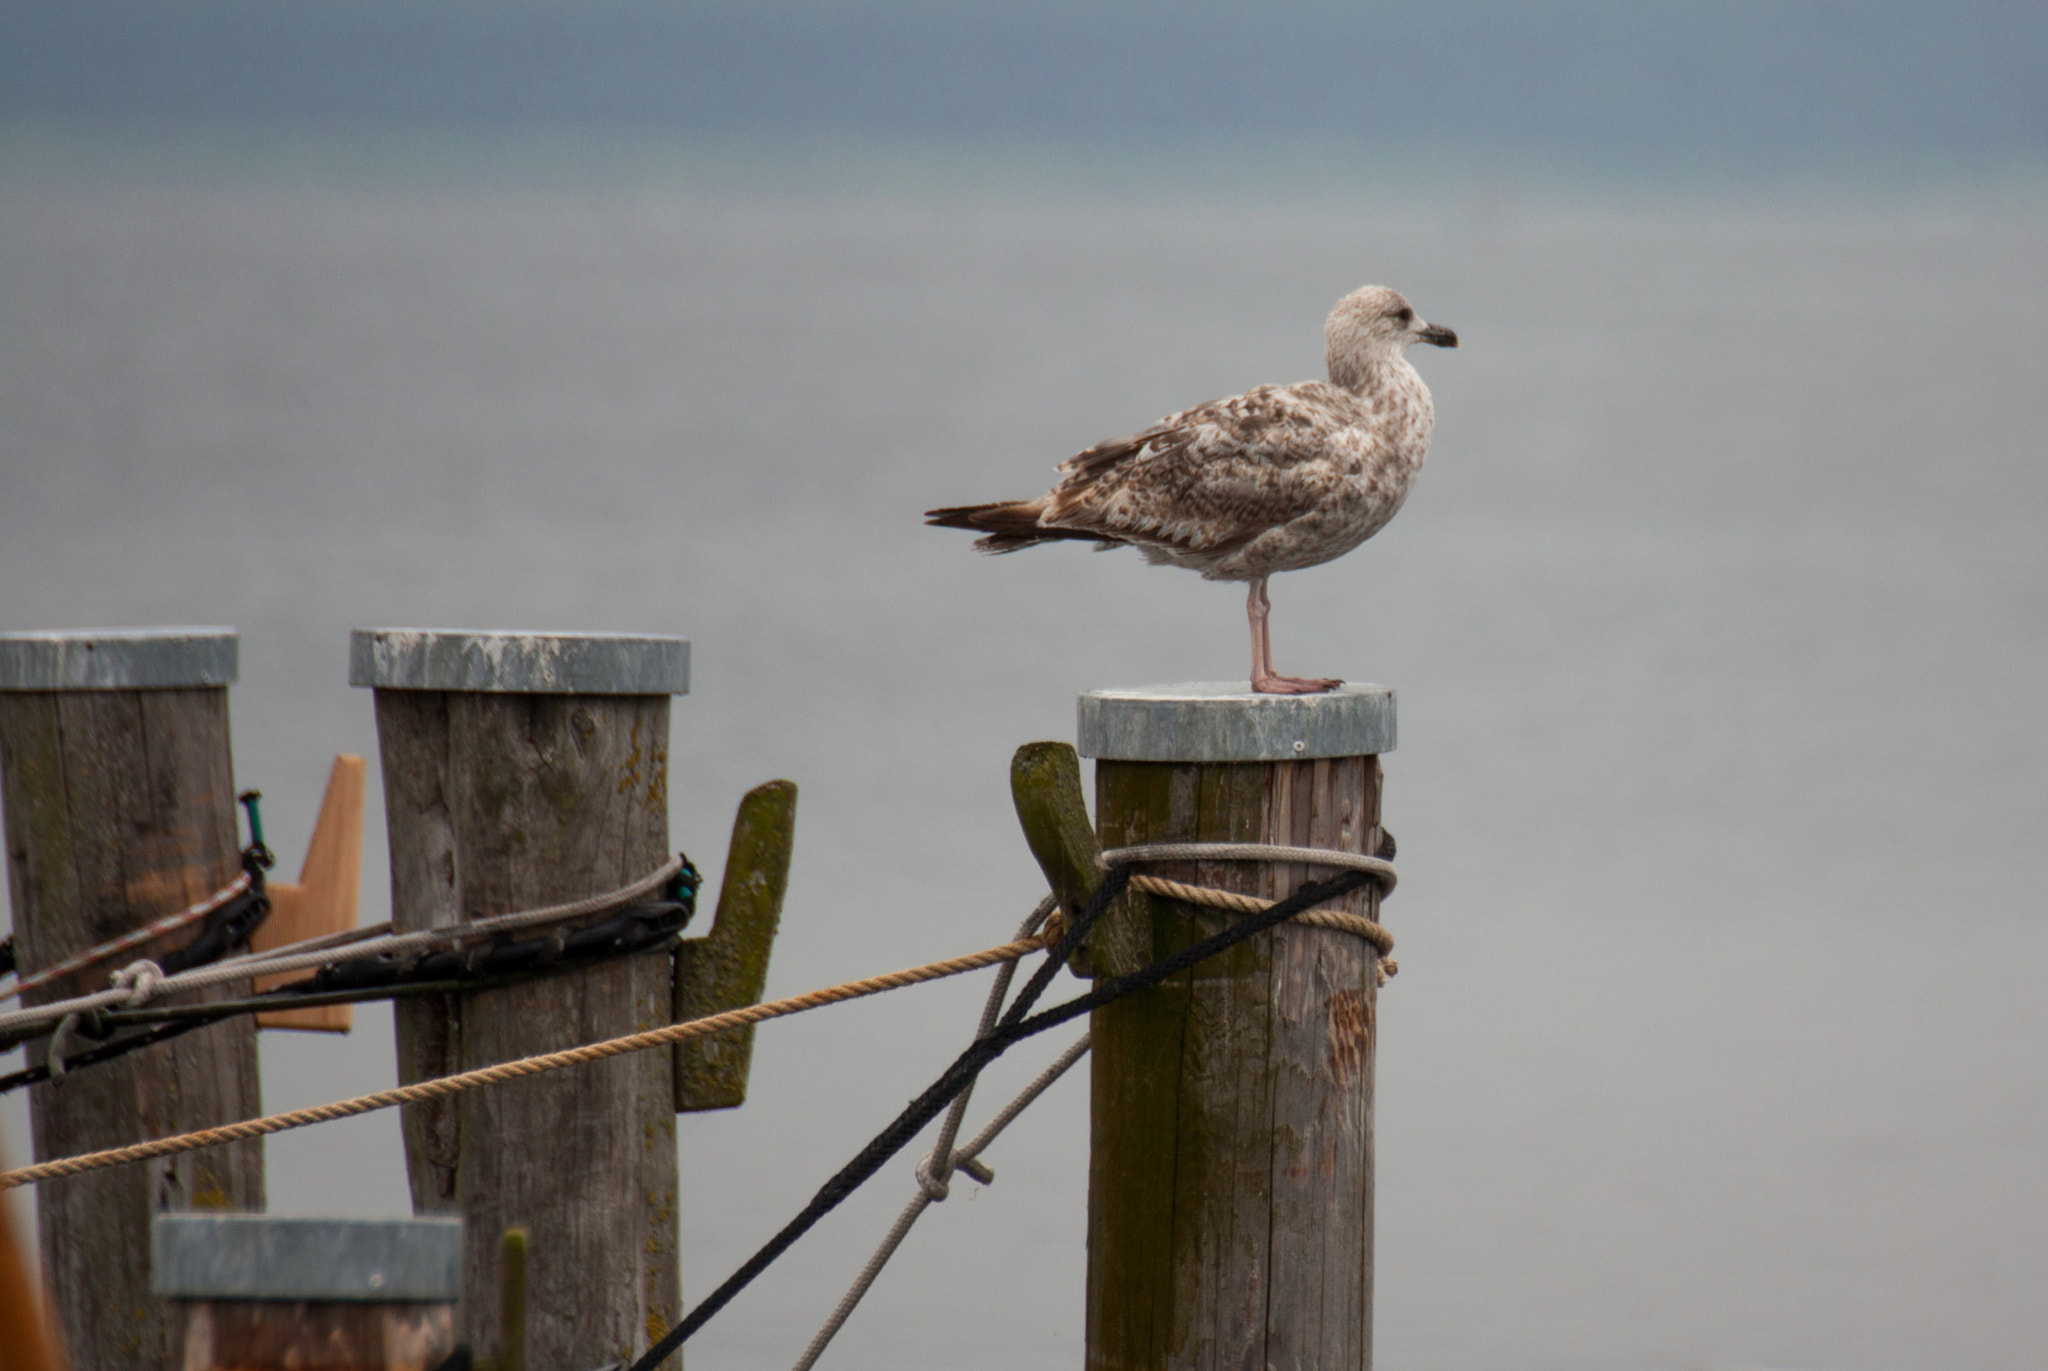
pixel 1265 680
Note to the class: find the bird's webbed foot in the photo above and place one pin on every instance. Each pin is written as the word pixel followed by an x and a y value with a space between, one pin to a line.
pixel 1270 683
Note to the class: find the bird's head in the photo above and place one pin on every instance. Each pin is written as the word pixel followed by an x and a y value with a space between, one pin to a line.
pixel 1371 325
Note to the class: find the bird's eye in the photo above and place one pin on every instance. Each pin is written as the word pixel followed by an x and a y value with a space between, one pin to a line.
pixel 1404 315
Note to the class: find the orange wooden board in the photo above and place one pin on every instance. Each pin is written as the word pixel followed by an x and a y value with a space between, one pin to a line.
pixel 323 901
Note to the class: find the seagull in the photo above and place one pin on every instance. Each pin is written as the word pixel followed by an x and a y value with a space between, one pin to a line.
pixel 1276 479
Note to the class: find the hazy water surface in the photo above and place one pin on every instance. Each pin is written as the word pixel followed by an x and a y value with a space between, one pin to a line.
pixel 1717 621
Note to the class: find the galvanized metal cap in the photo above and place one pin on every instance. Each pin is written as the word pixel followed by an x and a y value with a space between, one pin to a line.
pixel 523 663
pixel 1223 721
pixel 118 659
pixel 258 1257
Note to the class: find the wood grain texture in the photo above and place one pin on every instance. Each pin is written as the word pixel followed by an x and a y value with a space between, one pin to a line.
pixel 1230 1179
pixel 412 746
pixel 504 802
pixel 323 900
pixel 266 1335
pixel 729 968
pixel 120 807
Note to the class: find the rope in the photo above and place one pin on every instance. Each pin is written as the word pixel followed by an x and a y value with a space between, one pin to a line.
pixel 165 1024
pixel 155 928
pixel 924 1198
pixel 289 959
pixel 935 1172
pixel 516 1069
pixel 637 928
pixel 1356 924
pixel 1014 1027
pixel 991 1008
pixel 1380 868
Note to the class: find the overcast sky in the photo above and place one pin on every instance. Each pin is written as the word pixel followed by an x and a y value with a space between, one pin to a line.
pixel 1854 85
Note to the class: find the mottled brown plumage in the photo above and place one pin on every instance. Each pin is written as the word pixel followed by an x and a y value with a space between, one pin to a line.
pixel 1276 479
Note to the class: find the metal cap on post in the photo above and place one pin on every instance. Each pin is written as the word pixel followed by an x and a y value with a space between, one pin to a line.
pixel 197 1256
pixel 1231 1107
pixel 118 659
pixel 1221 721
pixel 118 783
pixel 519 663
pixel 266 1294
pixel 520 770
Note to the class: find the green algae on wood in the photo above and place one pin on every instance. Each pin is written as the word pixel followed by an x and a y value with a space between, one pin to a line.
pixel 728 969
pixel 1045 785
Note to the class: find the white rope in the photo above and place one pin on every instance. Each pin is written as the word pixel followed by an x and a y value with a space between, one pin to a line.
pixel 967 1159
pixel 935 1172
pixel 1381 868
pixel 936 1178
pixel 134 984
pixel 155 928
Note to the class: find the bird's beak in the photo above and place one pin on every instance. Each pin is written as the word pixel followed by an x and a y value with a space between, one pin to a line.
pixel 1437 335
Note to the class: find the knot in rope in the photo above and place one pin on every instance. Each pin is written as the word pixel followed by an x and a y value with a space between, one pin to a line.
pixel 140 979
pixel 935 1188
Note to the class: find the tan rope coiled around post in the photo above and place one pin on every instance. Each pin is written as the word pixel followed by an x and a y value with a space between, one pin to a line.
pixel 1356 924
pixel 524 1066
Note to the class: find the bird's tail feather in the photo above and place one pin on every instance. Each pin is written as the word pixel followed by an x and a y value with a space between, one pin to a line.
pixel 1007 524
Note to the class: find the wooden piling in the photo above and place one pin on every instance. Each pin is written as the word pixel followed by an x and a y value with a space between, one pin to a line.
pixel 1231 1169
pixel 522 770
pixel 119 793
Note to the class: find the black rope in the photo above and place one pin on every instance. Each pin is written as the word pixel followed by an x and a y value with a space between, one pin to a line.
pixel 232 923
pixel 36 1075
pixel 1012 1028
pixel 639 926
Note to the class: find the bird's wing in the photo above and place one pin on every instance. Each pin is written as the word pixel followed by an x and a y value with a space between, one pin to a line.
pixel 1210 479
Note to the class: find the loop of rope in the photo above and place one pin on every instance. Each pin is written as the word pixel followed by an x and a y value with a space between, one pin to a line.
pixel 59 1042
pixel 1381 869
pixel 141 980
pixel 155 928
pixel 1355 924
pixel 323 951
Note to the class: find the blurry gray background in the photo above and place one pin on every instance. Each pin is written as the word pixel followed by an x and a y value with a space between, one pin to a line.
pixel 1717 617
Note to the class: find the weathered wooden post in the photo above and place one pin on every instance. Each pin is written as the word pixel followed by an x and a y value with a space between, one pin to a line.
pixel 268 1294
pixel 523 770
pixel 119 791
pixel 1231 1171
